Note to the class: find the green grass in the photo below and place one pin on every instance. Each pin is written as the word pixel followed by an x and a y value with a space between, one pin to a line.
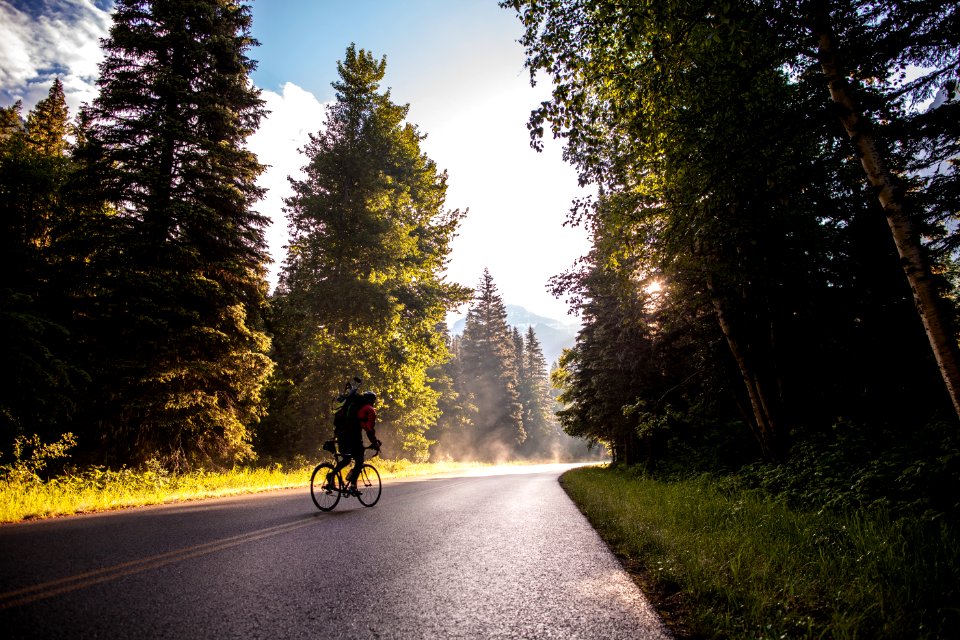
pixel 98 489
pixel 742 565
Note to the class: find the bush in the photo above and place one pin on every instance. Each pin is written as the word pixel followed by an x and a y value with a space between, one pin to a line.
pixel 851 467
pixel 31 457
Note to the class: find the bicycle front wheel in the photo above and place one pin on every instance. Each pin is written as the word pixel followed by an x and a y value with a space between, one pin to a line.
pixel 325 496
pixel 369 485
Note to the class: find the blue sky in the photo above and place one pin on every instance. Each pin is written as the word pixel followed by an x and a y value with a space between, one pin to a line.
pixel 456 62
pixel 429 43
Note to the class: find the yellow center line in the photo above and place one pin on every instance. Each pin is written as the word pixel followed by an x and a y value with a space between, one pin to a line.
pixel 51 588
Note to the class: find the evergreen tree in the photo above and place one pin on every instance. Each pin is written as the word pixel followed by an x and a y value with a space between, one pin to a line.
pixel 11 120
pixel 180 350
pixel 488 359
pixel 456 403
pixel 361 290
pixel 534 391
pixel 38 391
pixel 48 122
pixel 518 353
pixel 613 364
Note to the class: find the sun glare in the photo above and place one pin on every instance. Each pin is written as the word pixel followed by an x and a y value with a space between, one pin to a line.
pixel 654 287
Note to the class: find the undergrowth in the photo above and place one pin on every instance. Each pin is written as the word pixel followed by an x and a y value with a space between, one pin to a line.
pixel 748 565
pixel 28 492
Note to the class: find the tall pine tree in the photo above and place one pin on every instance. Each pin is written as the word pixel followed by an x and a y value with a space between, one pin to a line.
pixel 362 290
pixel 488 360
pixel 40 380
pixel 534 391
pixel 182 287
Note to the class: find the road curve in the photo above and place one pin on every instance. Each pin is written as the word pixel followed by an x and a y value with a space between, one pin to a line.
pixel 499 554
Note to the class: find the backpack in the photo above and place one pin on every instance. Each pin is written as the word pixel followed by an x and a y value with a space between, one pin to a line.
pixel 346 413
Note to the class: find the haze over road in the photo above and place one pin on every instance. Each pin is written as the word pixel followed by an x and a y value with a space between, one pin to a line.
pixel 500 555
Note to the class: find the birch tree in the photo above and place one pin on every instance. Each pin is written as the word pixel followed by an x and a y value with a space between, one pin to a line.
pixel 923 37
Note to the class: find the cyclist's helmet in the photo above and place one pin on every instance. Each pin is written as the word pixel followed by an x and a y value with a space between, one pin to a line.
pixel 370 397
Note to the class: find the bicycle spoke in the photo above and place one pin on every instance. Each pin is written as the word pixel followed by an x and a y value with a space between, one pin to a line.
pixel 370 487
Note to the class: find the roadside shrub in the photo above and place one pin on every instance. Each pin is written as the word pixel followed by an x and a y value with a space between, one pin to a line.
pixel 913 473
pixel 747 565
pixel 31 456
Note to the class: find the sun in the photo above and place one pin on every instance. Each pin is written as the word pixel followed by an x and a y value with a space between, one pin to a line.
pixel 654 287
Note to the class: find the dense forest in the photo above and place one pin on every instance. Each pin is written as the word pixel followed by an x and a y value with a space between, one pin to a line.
pixel 772 280
pixel 497 402
pixel 135 294
pixel 743 300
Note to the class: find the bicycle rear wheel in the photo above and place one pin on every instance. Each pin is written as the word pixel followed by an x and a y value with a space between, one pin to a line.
pixel 369 485
pixel 324 496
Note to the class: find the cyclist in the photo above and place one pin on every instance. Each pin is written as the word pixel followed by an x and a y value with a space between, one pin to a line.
pixel 350 438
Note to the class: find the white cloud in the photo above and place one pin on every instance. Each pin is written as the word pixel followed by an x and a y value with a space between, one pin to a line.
pixel 61 38
pixel 40 41
pixel 45 40
pixel 294 115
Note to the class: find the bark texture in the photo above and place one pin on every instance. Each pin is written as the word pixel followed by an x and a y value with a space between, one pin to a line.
pixel 892 198
pixel 762 390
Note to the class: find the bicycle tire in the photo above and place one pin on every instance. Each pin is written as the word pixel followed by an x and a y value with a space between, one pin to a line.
pixel 369 485
pixel 325 499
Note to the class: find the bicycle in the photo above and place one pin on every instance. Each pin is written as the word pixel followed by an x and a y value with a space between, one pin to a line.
pixel 327 495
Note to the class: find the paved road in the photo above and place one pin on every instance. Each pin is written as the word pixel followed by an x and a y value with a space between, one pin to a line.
pixel 503 555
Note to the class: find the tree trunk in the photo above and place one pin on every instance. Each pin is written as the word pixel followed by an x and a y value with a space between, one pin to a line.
pixel 892 199
pixel 764 402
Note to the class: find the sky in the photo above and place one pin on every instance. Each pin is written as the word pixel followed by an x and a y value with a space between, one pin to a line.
pixel 458 65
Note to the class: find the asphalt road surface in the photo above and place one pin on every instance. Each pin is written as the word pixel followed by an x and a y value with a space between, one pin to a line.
pixel 501 555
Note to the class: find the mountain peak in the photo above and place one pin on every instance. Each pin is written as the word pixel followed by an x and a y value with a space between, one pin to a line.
pixel 554 335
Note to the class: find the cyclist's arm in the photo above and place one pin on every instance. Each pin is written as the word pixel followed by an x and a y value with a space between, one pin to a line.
pixel 372 434
pixel 368 420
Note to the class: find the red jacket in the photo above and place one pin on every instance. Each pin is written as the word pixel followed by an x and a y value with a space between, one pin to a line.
pixel 367 416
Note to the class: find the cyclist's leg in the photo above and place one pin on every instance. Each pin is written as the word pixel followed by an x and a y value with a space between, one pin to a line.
pixel 357 455
pixel 342 464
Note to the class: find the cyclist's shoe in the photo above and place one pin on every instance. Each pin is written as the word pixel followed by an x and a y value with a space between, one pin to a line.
pixel 329 485
pixel 353 490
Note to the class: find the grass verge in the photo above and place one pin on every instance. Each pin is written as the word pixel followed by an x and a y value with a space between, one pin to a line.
pixel 100 489
pixel 723 562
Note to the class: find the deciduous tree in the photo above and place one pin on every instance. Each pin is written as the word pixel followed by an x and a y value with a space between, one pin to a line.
pixel 720 174
pixel 882 41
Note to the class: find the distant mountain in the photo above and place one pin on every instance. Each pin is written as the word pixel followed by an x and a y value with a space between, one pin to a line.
pixel 554 335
